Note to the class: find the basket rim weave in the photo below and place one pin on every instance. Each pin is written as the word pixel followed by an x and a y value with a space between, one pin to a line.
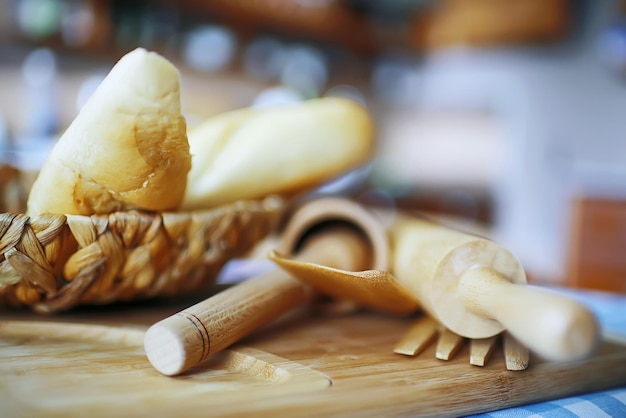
pixel 55 262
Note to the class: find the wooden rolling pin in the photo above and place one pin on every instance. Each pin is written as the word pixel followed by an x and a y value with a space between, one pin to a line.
pixel 187 338
pixel 469 284
pixel 477 289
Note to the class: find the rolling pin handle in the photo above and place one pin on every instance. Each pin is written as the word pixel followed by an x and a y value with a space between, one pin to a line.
pixel 554 327
pixel 185 339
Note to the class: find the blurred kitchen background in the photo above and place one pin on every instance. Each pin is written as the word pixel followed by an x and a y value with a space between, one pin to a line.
pixel 510 114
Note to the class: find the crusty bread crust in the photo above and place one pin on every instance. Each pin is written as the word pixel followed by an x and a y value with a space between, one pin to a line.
pixel 126 149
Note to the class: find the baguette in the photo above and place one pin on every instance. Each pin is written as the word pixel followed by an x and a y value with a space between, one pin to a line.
pixel 254 152
pixel 126 149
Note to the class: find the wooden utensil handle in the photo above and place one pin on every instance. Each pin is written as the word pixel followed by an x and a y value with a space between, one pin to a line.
pixel 555 327
pixel 186 338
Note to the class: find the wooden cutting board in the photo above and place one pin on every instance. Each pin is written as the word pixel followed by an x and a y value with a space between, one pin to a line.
pixel 92 363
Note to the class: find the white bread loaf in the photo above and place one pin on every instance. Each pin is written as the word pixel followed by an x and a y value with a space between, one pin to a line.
pixel 250 153
pixel 126 149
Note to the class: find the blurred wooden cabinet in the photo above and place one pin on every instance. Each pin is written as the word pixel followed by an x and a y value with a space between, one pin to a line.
pixel 491 22
pixel 598 245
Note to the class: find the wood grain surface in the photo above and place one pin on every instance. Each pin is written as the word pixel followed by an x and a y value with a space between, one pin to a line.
pixel 92 363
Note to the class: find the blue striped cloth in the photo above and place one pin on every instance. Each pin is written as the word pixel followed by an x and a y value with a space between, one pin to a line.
pixel 610 404
pixel 611 312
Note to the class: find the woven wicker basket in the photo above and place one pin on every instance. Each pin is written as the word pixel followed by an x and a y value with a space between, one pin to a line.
pixel 56 262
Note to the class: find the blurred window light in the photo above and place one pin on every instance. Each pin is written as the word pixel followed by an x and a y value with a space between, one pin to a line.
pixel 264 58
pixel 39 68
pixel 440 150
pixel 209 48
pixel 600 179
pixel 35 137
pixel 39 18
pixel 278 95
pixel 31 153
pixel 5 139
pixel 77 23
pixel 612 47
pixel 395 80
pixel 305 70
